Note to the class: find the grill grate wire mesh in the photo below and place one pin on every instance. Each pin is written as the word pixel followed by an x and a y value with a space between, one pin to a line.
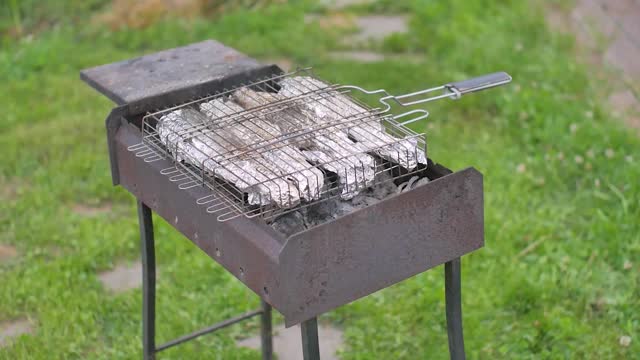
pixel 389 143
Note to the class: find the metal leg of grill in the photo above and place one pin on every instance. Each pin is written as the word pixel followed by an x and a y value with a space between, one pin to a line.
pixel 310 345
pixel 452 285
pixel 149 348
pixel 266 332
pixel 148 281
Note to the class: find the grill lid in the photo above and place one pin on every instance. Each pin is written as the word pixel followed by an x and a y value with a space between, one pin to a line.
pixel 184 68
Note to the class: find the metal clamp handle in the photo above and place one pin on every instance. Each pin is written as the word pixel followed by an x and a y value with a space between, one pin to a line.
pixel 480 83
pixel 452 90
pixel 422 114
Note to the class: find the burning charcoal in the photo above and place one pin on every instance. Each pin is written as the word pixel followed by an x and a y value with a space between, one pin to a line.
pixel 384 186
pixel 330 150
pixel 184 132
pixel 321 212
pixel 411 182
pixel 363 200
pixel 406 186
pixel 383 190
pixel 289 223
pixel 344 207
pixel 422 181
pixel 401 187
pixel 367 130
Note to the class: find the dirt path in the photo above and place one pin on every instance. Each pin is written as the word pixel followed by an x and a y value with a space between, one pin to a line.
pixel 608 35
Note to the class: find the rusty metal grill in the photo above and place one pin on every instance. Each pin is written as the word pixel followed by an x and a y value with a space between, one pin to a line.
pixel 348 126
pixel 248 142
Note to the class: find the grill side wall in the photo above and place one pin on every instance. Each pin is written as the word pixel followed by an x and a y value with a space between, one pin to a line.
pixel 373 248
pixel 246 248
pixel 313 271
pixel 330 265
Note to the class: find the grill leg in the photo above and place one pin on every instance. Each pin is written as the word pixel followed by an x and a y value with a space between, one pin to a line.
pixel 148 282
pixel 310 346
pixel 452 286
pixel 266 331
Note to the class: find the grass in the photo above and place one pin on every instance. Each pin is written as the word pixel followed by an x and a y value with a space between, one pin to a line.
pixel 561 192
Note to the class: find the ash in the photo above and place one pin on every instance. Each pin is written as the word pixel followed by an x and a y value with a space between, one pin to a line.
pixel 333 208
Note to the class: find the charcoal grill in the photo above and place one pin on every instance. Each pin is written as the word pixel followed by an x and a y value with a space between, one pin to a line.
pixel 226 209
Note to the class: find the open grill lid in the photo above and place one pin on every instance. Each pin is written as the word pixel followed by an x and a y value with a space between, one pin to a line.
pixel 172 76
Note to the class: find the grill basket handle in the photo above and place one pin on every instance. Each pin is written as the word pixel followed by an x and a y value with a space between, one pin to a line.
pixel 480 83
pixel 452 90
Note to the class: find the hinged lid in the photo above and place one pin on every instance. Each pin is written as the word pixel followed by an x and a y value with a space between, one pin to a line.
pixel 131 81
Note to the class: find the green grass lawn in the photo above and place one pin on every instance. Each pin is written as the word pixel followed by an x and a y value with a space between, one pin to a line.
pixel 562 195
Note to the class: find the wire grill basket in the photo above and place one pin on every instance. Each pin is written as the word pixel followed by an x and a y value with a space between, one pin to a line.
pixel 290 141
